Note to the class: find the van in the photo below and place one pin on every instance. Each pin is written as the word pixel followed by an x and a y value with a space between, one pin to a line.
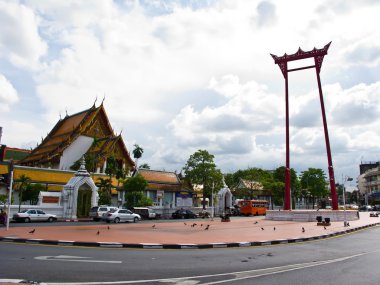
pixel 97 212
pixel 146 213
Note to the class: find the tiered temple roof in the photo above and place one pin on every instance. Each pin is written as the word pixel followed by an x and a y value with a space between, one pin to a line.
pixel 92 123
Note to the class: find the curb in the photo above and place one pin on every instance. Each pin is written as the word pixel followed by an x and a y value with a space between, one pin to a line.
pixel 20 281
pixel 179 245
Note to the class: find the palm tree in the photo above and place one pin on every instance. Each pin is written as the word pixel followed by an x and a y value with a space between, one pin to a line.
pixel 137 152
pixel 22 183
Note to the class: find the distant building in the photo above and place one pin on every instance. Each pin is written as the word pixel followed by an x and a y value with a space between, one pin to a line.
pixel 166 189
pixel 364 166
pixel 15 154
pixel 369 185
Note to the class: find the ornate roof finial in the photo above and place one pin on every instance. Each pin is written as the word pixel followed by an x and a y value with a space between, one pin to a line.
pixel 96 99
pixel 66 113
pixel 104 98
pixel 82 171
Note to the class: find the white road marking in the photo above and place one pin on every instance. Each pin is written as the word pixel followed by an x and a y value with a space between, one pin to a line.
pixel 73 258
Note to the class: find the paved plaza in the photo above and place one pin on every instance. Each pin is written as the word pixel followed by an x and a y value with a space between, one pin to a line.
pixel 240 231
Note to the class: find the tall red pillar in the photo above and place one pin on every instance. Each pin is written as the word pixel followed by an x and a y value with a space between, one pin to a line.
pixel 282 61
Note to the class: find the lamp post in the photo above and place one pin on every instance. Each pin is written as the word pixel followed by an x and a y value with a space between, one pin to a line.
pixel 212 201
pixel 10 193
pixel 344 198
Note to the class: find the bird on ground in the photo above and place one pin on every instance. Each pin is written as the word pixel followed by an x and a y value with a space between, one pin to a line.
pixel 274 228
pixel 262 229
pixel 108 227
pixel 98 233
pixel 303 229
pixel 201 225
pixel 348 224
pixel 185 224
pixel 325 227
pixel 206 228
pixel 32 231
pixel 256 222
pixel 154 226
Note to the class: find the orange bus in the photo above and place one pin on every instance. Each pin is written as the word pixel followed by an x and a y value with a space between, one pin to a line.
pixel 253 207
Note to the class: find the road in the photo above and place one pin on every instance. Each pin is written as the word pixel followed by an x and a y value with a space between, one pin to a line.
pixel 349 259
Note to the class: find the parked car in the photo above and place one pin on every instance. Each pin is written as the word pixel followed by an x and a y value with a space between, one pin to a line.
pixel 365 208
pixel 183 214
pixel 34 215
pixel 376 207
pixel 121 215
pixel 146 213
pixel 97 212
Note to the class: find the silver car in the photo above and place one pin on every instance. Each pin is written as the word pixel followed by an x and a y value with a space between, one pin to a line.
pixel 121 215
pixel 34 215
pixel 96 213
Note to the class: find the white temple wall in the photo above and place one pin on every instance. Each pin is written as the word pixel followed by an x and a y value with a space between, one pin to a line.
pixel 75 151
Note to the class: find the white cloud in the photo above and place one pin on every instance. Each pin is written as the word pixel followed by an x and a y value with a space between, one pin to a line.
pixel 19 38
pixel 8 94
pixel 179 76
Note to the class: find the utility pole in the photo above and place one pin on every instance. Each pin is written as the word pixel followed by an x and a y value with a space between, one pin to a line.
pixel 10 191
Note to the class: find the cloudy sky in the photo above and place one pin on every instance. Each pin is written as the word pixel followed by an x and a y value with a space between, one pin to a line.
pixel 178 76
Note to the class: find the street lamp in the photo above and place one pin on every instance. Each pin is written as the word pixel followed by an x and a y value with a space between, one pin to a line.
pixel 344 197
pixel 212 201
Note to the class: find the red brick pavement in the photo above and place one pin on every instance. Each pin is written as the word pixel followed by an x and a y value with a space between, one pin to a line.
pixel 240 229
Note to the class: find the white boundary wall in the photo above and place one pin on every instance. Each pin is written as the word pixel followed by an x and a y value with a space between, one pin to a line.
pixel 311 215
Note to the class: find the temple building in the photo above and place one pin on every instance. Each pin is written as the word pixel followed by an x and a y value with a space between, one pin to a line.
pixel 85 133
pixel 54 162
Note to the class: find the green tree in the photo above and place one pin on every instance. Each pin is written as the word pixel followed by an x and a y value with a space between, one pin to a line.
pixel 3 198
pixel 32 192
pixel 114 169
pixel 295 185
pixel 135 187
pixel 105 188
pixel 90 163
pixel 314 181
pixel 21 185
pixel 137 199
pixel 137 153
pixel 145 166
pixel 263 177
pixel 201 169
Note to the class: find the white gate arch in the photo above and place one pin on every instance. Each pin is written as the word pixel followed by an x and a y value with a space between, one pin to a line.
pixel 70 192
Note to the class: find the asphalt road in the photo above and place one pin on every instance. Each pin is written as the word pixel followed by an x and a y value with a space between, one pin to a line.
pixel 351 259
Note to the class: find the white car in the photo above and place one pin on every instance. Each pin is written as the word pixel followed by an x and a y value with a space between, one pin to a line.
pixel 121 215
pixel 34 215
pixel 97 212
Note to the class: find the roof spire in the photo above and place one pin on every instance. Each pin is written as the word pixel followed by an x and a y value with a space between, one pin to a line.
pixel 82 169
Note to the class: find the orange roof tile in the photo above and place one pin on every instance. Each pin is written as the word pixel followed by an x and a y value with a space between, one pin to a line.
pixel 159 176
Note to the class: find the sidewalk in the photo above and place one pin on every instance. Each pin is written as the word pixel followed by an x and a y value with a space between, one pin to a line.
pixel 240 231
